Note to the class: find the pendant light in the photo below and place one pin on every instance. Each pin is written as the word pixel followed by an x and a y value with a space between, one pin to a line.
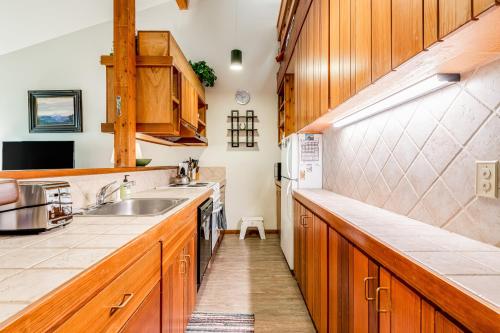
pixel 236 54
pixel 236 60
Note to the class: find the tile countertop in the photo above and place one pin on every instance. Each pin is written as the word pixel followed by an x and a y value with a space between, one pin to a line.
pixel 52 258
pixel 469 264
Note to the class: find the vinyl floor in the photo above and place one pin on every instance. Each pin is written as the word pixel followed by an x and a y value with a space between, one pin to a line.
pixel 252 276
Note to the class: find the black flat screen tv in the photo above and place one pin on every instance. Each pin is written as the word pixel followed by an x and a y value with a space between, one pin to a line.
pixel 30 155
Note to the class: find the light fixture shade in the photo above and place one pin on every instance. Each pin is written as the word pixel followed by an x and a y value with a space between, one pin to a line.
pixel 236 59
pixel 404 95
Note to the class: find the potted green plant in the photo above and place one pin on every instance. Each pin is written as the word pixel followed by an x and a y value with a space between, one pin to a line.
pixel 205 73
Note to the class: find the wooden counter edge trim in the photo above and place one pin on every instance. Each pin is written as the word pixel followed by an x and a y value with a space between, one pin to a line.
pixel 53 309
pixel 458 302
pixel 54 173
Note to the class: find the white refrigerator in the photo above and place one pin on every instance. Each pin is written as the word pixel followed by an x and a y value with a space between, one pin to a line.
pixel 301 167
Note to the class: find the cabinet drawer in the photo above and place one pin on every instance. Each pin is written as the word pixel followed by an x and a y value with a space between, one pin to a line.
pixel 110 309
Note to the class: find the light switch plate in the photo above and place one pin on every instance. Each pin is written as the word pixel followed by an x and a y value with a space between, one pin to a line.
pixel 487 179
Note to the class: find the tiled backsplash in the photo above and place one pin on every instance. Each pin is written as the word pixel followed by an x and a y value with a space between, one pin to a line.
pixel 84 188
pixel 419 158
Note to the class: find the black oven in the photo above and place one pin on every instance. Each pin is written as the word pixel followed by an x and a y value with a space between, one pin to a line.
pixel 204 237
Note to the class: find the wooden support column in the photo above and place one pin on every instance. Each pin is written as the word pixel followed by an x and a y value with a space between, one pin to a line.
pixel 183 4
pixel 125 82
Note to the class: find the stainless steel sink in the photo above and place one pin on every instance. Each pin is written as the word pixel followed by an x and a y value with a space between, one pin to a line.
pixel 136 207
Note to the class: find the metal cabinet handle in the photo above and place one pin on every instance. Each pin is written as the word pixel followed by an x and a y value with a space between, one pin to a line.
pixel 365 282
pixel 302 217
pixel 305 223
pixel 188 257
pixel 183 266
pixel 125 300
pixel 377 300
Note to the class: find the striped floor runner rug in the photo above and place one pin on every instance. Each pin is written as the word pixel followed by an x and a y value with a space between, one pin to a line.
pixel 221 322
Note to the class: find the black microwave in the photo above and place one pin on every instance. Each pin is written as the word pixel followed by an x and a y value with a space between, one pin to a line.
pixel 277 171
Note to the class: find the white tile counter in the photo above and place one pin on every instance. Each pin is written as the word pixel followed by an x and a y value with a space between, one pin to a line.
pixel 466 263
pixel 32 266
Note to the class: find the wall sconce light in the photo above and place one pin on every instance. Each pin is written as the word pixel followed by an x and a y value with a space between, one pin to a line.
pixel 419 89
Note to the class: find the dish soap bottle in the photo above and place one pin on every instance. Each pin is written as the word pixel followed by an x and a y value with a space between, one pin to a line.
pixel 125 188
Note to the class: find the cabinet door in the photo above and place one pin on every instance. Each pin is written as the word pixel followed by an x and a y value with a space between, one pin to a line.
pixel 189 103
pixel 190 278
pixel 435 322
pixel 174 271
pixel 147 318
pixel 362 42
pixel 407 30
pixel 398 306
pixel 381 38
pixel 452 15
pixel 363 282
pixel 479 6
pixel 309 257
pixel 338 283
pixel 340 51
pixel 319 279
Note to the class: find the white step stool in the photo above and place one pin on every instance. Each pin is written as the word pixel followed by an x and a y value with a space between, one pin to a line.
pixel 255 221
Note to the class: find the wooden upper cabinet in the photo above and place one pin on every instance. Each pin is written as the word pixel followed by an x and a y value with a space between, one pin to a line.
pixel 340 52
pixel 381 38
pixel 361 18
pixel 189 103
pixel 407 30
pixel 479 6
pixel 399 308
pixel 311 65
pixel 453 14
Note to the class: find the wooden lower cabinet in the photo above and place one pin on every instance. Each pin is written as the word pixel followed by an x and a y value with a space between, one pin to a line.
pixel 398 306
pixel 147 319
pixel 347 291
pixel 311 263
pixel 179 286
pixel 363 283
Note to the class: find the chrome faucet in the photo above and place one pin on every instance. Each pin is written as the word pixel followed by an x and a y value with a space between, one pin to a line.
pixel 102 194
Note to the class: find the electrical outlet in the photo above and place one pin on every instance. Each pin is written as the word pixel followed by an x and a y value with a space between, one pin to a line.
pixel 487 179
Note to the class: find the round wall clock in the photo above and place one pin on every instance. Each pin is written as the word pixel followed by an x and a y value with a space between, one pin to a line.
pixel 242 97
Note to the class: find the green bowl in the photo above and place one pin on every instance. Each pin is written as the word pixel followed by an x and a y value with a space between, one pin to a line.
pixel 142 162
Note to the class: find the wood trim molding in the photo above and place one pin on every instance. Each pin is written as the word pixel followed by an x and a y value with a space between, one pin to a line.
pixel 458 302
pixel 30 174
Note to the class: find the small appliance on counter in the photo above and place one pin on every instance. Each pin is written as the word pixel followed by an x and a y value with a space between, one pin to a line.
pixel 182 175
pixel 42 205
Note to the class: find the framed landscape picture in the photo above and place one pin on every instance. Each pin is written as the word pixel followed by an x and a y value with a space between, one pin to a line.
pixel 55 111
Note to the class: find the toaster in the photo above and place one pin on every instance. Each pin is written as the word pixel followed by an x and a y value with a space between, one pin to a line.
pixel 42 205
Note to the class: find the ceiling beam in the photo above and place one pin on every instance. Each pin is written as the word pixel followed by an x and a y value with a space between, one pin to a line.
pixel 124 82
pixel 183 4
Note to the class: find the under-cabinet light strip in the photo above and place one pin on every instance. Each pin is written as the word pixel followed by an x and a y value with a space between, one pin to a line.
pixel 419 89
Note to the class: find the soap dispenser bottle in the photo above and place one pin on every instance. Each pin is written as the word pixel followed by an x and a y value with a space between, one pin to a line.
pixel 125 188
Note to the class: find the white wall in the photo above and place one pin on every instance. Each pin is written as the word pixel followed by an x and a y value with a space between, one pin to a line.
pixel 206 31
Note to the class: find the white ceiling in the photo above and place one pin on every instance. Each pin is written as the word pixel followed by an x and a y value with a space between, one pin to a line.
pixel 28 22
pixel 207 31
